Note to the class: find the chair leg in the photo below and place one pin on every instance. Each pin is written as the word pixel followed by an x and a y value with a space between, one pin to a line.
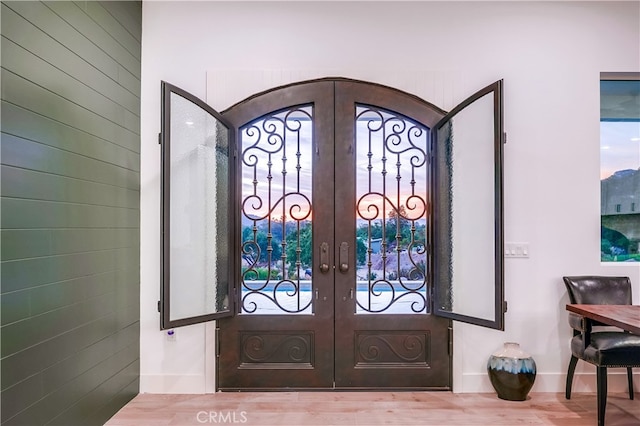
pixel 601 380
pixel 630 380
pixel 572 369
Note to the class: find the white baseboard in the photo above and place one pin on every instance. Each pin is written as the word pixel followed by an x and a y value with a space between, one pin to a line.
pixel 471 383
pixel 172 383
pixel 555 382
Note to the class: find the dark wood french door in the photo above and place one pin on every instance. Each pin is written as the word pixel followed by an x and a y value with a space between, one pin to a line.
pixel 282 335
pixel 348 307
pixel 386 334
pixel 303 219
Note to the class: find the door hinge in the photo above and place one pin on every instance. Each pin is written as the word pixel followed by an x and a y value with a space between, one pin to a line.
pixel 158 306
pixel 504 138
pixel 160 138
pixel 450 341
pixel 504 307
pixel 432 297
pixel 217 343
pixel 235 305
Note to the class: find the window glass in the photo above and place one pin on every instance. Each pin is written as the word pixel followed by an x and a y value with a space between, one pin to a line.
pixel 619 167
pixel 195 211
pixel 391 213
pixel 277 246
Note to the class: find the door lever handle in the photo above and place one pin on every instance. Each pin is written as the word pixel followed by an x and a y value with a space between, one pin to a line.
pixel 324 258
pixel 343 257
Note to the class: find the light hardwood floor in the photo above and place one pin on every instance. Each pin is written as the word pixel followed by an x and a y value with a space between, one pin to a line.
pixel 373 408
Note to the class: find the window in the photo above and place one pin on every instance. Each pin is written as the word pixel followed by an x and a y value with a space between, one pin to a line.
pixel 619 166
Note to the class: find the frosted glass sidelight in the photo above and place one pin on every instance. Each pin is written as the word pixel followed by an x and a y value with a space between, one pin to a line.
pixel 468 276
pixel 472 213
pixel 195 208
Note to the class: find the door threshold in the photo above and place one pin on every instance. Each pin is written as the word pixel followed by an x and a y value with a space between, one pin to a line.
pixel 341 389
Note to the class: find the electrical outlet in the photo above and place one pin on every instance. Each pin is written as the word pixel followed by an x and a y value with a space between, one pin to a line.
pixel 516 250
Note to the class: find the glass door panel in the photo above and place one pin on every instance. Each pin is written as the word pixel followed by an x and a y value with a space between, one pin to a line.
pixel 195 211
pixel 391 213
pixel 276 167
pixel 468 211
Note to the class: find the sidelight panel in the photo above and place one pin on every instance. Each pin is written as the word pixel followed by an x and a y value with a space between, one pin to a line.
pixel 195 211
pixel 468 151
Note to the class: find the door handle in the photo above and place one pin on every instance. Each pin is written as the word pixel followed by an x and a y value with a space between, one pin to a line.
pixel 324 258
pixel 343 257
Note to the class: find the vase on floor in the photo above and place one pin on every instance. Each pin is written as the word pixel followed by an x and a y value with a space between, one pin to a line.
pixel 512 372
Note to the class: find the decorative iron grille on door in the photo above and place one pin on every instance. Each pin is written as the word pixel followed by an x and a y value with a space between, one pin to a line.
pixel 391 221
pixel 276 167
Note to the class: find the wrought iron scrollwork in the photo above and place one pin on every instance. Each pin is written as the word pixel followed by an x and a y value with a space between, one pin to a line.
pixel 392 211
pixel 276 212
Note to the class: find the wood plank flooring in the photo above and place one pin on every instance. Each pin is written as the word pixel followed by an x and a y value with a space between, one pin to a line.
pixel 373 408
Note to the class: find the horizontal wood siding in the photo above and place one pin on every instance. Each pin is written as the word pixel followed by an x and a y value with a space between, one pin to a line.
pixel 70 194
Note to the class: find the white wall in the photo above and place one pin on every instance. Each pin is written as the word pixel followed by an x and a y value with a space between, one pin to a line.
pixel 549 55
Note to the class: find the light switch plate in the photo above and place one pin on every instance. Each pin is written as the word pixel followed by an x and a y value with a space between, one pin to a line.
pixel 516 250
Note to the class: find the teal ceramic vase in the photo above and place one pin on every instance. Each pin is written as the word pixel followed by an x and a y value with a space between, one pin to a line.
pixel 512 372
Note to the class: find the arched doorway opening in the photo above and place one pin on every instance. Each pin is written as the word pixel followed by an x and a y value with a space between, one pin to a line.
pixel 337 264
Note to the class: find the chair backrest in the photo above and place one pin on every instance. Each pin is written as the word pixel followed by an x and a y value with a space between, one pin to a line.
pixel 598 290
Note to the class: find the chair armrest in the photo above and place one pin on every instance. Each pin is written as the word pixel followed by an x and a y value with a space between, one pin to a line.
pixel 587 325
pixel 575 321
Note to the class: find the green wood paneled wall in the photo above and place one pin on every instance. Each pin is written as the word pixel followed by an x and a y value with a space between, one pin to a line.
pixel 70 210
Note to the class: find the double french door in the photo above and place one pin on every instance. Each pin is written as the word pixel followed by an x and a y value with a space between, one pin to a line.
pixel 328 264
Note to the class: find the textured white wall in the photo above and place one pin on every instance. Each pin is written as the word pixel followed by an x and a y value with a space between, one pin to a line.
pixel 549 55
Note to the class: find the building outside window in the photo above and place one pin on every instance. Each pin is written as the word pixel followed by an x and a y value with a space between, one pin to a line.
pixel 619 166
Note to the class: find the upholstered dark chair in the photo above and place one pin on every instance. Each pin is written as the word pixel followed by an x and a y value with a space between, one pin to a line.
pixel 607 348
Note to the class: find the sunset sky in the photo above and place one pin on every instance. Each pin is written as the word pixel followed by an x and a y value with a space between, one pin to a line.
pixel 619 146
pixel 253 206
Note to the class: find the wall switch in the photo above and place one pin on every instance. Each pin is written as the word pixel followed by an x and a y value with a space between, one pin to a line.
pixel 516 250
